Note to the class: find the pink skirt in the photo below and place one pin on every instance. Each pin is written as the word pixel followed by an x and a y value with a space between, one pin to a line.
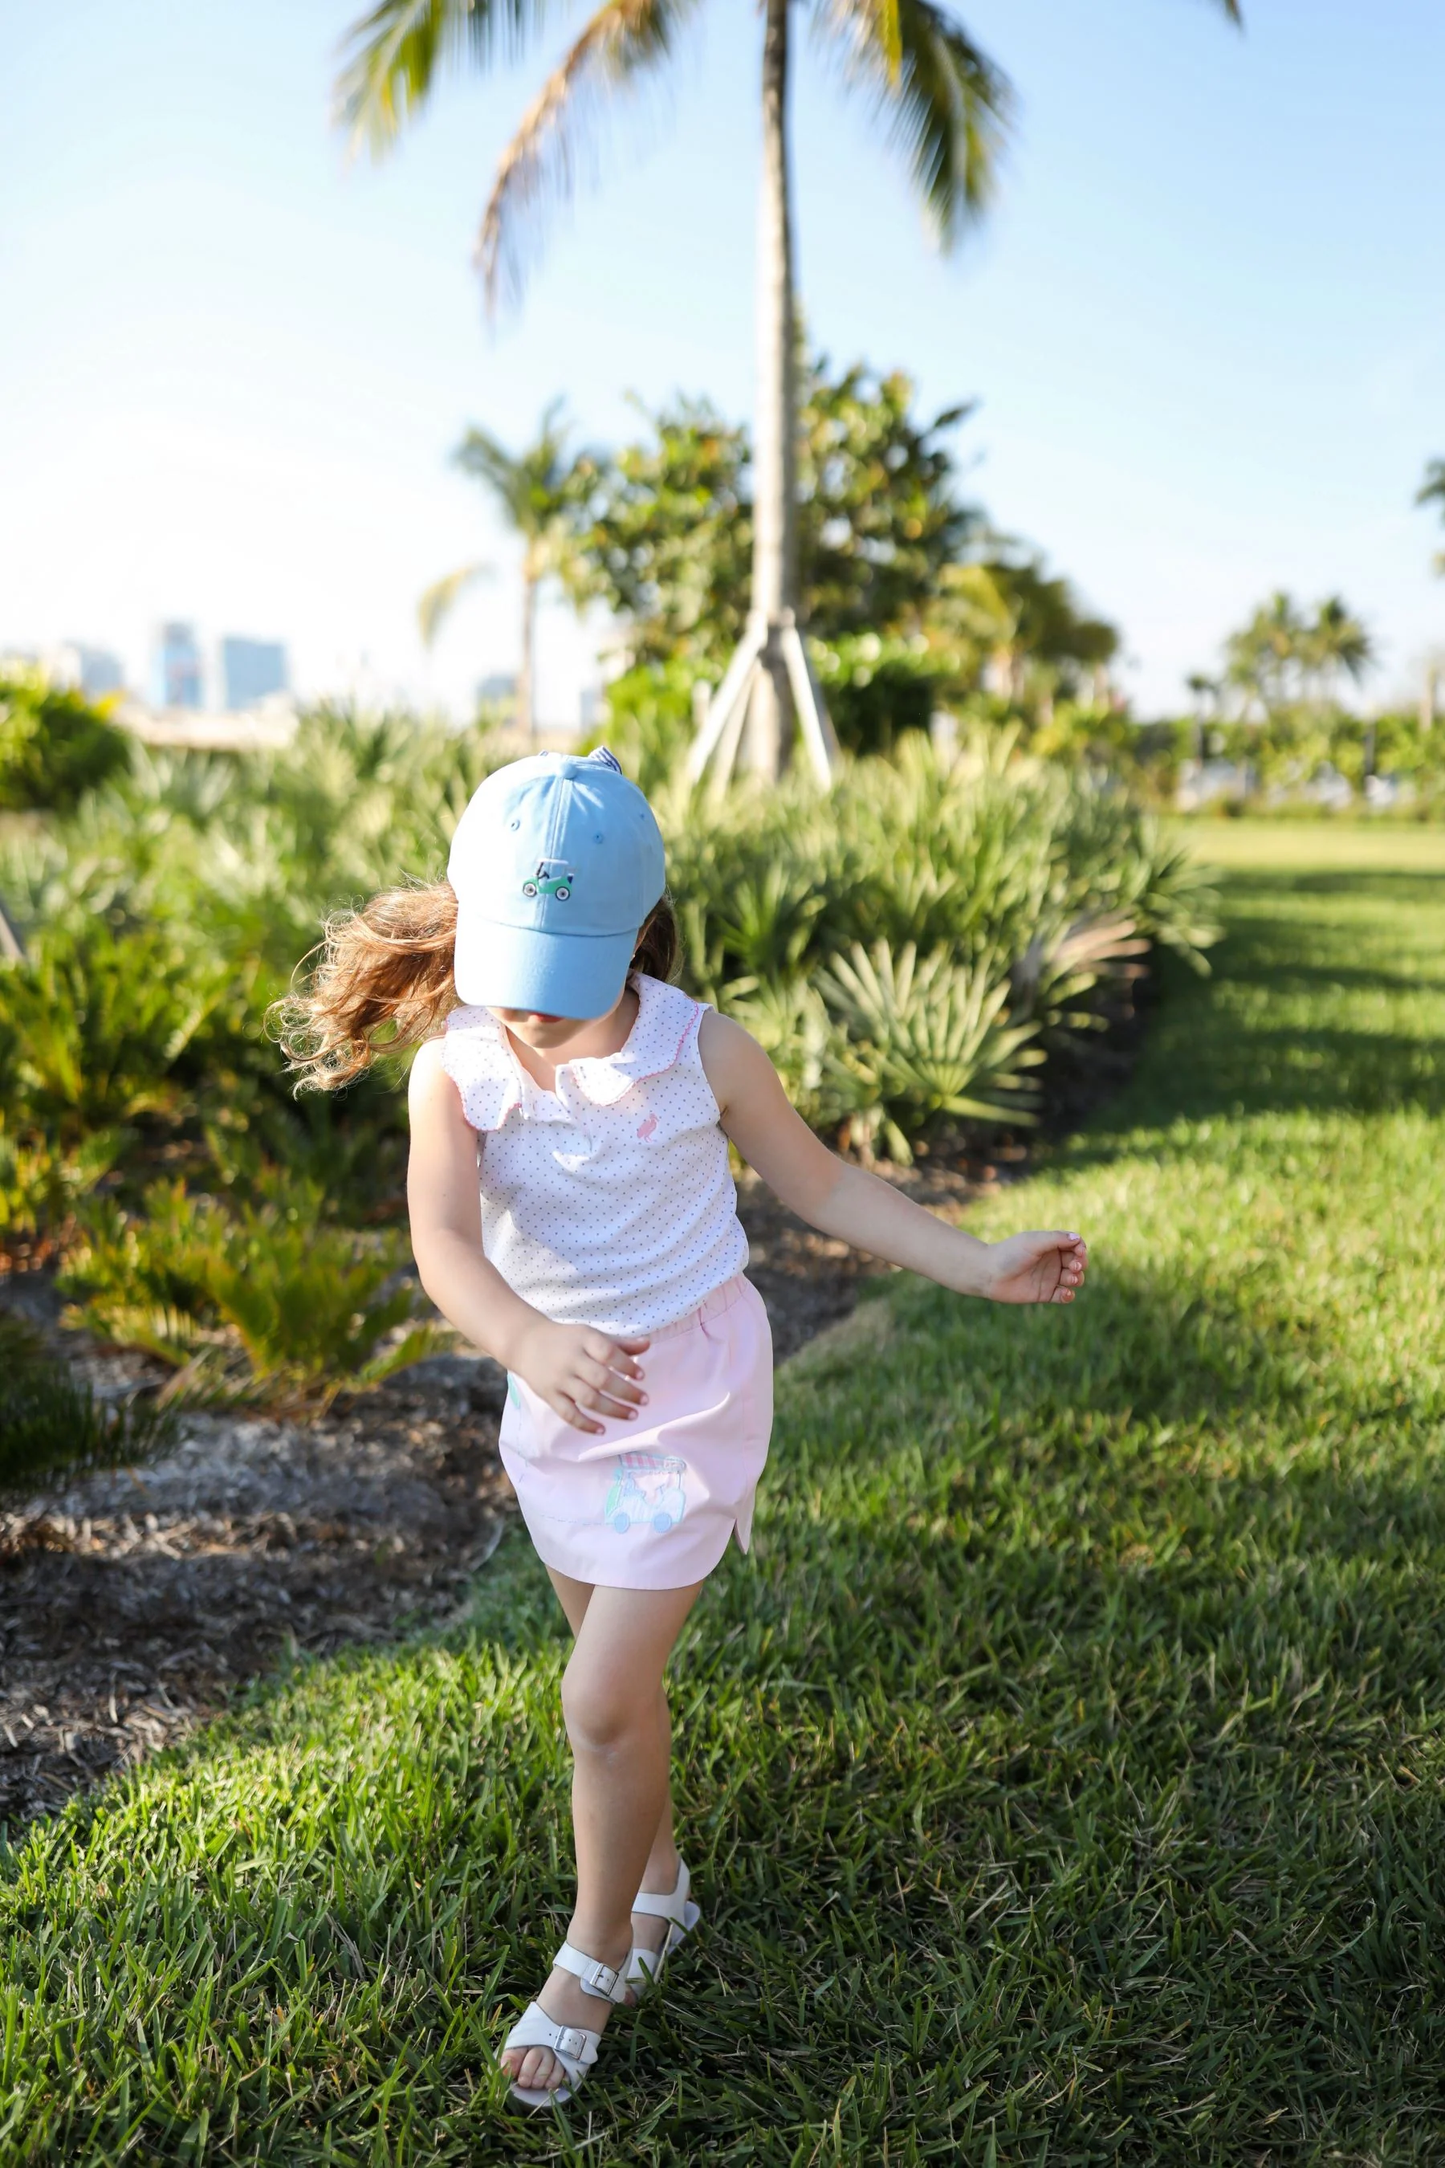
pixel 652 1503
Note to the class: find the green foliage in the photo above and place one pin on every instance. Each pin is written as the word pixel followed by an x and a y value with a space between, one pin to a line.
pixel 1020 892
pixel 649 720
pixel 51 1425
pixel 162 918
pixel 1060 1775
pixel 907 598
pixel 265 1300
pixel 42 1185
pixel 666 542
pixel 876 687
pixel 879 515
pixel 96 1026
pixel 1289 749
pixel 1285 657
pixel 54 746
pixel 669 543
pixel 905 947
pixel 923 1041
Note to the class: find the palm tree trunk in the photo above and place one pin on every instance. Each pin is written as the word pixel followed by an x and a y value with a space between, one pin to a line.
pixel 526 701
pixel 775 453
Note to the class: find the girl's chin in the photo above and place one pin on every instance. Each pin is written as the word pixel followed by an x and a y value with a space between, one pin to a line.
pixel 527 1020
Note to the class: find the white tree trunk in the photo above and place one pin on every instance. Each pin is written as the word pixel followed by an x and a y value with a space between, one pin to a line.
pixel 526 699
pixel 770 685
pixel 775 451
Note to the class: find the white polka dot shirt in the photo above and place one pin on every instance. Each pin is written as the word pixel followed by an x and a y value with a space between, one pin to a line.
pixel 609 1202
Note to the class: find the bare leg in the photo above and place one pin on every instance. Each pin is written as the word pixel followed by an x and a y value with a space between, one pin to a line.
pixel 611 1697
pixel 660 1874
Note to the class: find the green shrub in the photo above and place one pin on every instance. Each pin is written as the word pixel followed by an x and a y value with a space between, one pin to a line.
pixel 649 720
pixel 94 1027
pixel 42 1186
pixel 893 936
pixel 906 946
pixel 54 746
pixel 50 1424
pixel 920 1041
pixel 264 1301
pixel 878 687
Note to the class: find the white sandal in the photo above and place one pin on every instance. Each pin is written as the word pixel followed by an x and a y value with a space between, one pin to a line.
pixel 645 1966
pixel 574 2046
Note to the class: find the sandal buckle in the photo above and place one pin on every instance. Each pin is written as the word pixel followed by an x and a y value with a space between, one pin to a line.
pixel 600 1978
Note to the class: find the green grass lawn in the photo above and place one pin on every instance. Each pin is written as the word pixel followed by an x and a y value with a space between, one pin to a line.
pixel 1062 1780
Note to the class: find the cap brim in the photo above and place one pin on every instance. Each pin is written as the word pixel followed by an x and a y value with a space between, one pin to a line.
pixel 545 974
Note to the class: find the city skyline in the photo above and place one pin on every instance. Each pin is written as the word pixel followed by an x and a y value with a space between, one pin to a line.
pixel 241 672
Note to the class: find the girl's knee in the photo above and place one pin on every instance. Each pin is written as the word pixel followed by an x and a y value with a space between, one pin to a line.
pixel 604 1709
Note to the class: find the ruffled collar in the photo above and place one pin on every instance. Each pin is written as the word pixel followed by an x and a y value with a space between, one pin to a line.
pixel 478 1055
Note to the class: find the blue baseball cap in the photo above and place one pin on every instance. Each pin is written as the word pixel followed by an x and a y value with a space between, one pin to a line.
pixel 556 863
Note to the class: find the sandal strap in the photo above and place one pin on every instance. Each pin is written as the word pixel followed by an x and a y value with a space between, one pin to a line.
pixel 607 1982
pixel 573 2045
pixel 671 1905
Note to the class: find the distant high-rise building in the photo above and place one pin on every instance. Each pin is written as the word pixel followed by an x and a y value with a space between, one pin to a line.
pixel 251 670
pixel 177 682
pixel 97 671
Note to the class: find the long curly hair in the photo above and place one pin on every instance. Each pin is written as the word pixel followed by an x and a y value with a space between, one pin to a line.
pixel 381 980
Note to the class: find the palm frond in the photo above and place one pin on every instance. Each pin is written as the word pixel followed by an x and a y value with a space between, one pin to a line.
pixel 436 604
pixel 526 483
pixel 486 459
pixel 392 56
pixel 948 106
pixel 624 39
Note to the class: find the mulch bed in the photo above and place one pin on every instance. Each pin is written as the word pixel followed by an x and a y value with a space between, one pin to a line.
pixel 133 1604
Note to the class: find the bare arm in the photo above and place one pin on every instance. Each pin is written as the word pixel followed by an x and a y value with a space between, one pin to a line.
pixel 578 1372
pixel 858 1207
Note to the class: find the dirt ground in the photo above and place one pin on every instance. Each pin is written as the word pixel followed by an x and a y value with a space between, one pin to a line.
pixel 133 1604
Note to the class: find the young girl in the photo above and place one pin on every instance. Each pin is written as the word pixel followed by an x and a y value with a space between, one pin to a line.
pixel 573 1213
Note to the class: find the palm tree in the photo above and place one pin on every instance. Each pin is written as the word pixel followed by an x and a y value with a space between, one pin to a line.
pixel 1432 491
pixel 535 490
pixel 946 109
pixel 1261 656
pixel 1335 642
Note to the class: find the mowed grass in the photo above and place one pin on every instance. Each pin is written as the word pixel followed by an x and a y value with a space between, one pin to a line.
pixel 1062 1778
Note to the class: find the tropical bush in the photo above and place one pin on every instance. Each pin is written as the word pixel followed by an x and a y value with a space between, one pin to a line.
pixel 915 949
pixel 912 946
pixel 265 1301
pixel 51 1424
pixel 54 745
pixel 1282 759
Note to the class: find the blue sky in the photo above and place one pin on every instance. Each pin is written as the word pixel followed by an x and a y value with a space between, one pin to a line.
pixel 1205 324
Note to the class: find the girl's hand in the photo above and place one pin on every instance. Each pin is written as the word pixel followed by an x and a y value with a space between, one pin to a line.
pixel 581 1374
pixel 1035 1268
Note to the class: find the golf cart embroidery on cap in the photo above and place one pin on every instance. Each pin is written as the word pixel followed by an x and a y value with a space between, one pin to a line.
pixel 550 880
pixel 647 1492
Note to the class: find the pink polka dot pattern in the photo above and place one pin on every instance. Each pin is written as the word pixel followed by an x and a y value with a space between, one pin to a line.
pixel 608 1202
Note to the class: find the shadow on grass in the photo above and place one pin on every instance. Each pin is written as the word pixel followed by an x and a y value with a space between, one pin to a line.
pixel 1221 1046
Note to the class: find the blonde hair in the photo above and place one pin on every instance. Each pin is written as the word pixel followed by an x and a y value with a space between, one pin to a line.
pixel 382 980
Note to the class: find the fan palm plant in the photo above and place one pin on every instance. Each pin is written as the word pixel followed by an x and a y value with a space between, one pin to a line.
pixel 1336 644
pixel 1264 656
pixel 534 490
pixel 945 107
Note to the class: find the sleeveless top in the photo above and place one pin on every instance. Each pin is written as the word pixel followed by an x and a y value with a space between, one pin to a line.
pixel 608 1202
